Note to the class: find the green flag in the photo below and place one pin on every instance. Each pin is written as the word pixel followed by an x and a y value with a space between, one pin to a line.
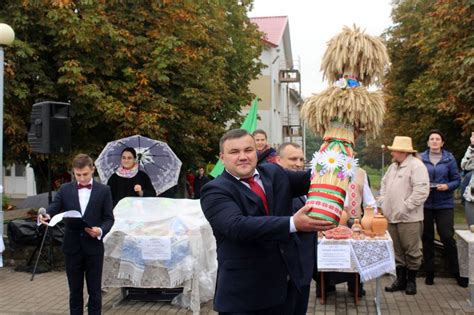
pixel 249 124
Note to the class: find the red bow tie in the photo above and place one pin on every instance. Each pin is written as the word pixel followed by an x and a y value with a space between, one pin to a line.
pixel 80 186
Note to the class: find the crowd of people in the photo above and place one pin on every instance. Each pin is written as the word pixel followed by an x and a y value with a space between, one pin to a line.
pixel 266 244
pixel 416 194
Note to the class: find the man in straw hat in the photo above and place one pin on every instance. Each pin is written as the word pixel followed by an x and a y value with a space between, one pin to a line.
pixel 403 192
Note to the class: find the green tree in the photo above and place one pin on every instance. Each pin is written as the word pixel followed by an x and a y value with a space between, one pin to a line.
pixel 430 84
pixel 170 70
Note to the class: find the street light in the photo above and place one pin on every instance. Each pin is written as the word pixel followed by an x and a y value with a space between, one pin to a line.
pixel 383 157
pixel 7 35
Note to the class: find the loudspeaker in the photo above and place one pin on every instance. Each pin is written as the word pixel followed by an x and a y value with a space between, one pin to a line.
pixel 50 130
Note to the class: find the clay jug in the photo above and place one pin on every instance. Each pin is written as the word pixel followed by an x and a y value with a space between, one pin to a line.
pixel 379 224
pixel 366 221
pixel 344 218
pixel 356 227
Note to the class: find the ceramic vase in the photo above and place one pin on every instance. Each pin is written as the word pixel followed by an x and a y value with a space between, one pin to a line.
pixel 366 221
pixel 356 227
pixel 379 224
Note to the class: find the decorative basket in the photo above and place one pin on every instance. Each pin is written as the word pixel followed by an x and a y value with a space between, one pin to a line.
pixel 333 167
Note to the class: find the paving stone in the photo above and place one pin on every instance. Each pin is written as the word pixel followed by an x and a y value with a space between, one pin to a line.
pixel 20 296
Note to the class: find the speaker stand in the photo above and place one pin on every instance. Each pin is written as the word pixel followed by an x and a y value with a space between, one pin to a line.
pixel 50 194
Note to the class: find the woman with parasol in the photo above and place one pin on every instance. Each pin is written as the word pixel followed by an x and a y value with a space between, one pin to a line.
pixel 128 180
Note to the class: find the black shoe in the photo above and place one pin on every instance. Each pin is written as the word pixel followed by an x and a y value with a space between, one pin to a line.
pixel 411 288
pixel 462 281
pixel 397 285
pixel 411 282
pixel 429 280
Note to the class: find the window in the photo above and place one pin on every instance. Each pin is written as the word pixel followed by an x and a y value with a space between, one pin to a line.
pixel 8 170
pixel 20 170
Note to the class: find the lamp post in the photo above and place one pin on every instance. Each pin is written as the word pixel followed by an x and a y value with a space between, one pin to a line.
pixel 7 35
pixel 383 158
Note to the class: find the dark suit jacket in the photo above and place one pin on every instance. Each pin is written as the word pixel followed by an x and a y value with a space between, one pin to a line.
pixel 254 251
pixel 306 247
pixel 98 213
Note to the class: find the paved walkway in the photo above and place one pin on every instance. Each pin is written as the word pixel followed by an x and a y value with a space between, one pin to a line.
pixel 48 294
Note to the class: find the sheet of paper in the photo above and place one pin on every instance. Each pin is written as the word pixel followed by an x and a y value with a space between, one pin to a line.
pixel 334 256
pixel 155 247
pixel 68 214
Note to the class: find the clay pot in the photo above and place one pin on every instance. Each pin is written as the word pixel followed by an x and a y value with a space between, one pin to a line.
pixel 379 224
pixel 366 221
pixel 344 218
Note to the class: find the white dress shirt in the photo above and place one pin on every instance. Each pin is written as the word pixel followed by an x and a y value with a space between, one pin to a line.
pixel 84 196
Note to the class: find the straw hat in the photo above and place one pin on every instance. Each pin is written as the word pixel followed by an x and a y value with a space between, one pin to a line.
pixel 402 144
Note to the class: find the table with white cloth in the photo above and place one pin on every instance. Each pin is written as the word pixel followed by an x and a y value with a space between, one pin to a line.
pixel 162 243
pixel 369 258
pixel 465 245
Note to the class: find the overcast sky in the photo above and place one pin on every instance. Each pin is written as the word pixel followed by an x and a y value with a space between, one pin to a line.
pixel 314 22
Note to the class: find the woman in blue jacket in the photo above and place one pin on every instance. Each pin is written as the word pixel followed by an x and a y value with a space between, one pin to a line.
pixel 439 207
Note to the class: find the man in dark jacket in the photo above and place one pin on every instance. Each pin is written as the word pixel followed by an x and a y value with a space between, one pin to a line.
pixel 291 157
pixel 83 248
pixel 250 212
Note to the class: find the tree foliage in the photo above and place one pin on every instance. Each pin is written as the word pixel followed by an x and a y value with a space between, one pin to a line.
pixel 171 70
pixel 431 81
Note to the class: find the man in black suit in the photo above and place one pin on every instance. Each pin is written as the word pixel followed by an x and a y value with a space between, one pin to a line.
pixel 259 269
pixel 83 248
pixel 291 157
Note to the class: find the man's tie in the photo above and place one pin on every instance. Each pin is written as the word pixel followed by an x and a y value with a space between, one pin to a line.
pixel 255 187
pixel 80 186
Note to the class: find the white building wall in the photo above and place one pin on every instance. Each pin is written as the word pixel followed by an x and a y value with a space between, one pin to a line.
pixel 19 181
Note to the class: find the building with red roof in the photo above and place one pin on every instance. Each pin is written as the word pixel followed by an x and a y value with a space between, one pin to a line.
pixel 278 86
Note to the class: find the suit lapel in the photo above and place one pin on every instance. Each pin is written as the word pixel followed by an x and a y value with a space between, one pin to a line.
pixel 94 192
pixel 246 191
pixel 267 185
pixel 75 196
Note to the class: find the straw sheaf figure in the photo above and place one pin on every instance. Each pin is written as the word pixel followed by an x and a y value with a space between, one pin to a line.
pixel 352 61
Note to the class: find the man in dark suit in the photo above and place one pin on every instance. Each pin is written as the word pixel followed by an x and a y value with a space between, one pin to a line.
pixel 259 269
pixel 83 248
pixel 290 156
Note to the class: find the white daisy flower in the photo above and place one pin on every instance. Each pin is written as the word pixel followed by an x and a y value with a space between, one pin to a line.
pixel 315 160
pixel 331 160
pixel 349 167
pixel 341 83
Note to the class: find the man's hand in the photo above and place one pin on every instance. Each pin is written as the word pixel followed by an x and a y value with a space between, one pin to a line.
pixel 472 138
pixel 94 232
pixel 44 218
pixel 304 223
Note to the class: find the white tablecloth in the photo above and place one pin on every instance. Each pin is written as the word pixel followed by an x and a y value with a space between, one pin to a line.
pixel 465 244
pixel 162 243
pixel 371 258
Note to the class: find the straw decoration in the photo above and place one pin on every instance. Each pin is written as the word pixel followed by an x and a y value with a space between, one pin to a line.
pixel 358 107
pixel 353 51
